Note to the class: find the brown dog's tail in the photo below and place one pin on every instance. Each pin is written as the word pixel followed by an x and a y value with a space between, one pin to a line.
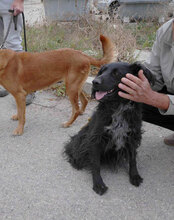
pixel 110 53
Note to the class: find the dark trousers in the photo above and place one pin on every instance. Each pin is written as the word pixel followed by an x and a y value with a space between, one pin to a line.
pixel 153 116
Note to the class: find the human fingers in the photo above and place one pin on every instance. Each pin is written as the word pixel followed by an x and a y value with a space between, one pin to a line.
pixel 127 89
pixel 133 78
pixel 126 96
pixel 142 76
pixel 16 11
pixel 18 8
pixel 132 82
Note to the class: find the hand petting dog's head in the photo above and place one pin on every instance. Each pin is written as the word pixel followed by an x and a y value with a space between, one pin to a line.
pixel 137 66
pixel 105 85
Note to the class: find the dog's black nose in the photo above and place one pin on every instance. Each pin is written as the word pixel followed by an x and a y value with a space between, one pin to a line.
pixel 96 81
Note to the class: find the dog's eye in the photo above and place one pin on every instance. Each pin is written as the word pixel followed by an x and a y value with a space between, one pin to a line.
pixel 99 73
pixel 115 73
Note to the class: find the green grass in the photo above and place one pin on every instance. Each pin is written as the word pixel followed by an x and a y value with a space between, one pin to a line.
pixel 59 89
pixel 144 33
pixel 53 37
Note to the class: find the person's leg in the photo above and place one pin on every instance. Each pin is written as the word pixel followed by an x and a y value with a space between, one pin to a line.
pixel 153 116
pixel 3 92
pixel 14 41
pixel 29 98
pixel 1 30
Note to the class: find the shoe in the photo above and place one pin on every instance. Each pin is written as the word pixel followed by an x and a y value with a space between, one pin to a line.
pixel 29 98
pixel 3 92
pixel 169 140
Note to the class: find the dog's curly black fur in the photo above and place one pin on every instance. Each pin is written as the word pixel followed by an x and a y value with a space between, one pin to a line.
pixel 114 131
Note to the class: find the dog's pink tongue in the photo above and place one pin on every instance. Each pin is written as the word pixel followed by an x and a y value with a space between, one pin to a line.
pixel 100 95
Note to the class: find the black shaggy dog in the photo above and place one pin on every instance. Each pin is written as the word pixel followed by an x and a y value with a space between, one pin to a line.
pixel 114 131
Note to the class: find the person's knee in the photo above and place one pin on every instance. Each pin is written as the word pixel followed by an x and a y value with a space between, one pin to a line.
pixel 14 45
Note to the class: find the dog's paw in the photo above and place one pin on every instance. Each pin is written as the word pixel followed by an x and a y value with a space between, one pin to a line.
pixel 18 131
pixel 136 180
pixel 100 188
pixel 65 125
pixel 81 112
pixel 14 117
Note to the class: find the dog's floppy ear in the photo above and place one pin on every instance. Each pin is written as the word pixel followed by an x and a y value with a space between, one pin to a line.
pixel 136 67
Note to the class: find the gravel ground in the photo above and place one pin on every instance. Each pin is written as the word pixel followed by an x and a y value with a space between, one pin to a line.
pixel 37 183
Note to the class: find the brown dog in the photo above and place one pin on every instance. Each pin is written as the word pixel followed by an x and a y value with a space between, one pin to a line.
pixel 23 73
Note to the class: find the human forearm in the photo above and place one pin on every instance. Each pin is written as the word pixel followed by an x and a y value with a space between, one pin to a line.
pixel 159 100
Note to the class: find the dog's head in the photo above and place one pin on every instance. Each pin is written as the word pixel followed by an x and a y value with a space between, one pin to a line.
pixel 105 85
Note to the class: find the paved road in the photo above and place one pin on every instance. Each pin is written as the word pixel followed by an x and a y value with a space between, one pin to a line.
pixel 37 183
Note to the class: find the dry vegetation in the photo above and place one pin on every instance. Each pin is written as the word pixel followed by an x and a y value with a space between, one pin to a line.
pixel 84 35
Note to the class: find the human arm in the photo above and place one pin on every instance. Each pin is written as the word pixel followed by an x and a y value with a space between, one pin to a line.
pixel 139 90
pixel 17 6
pixel 157 60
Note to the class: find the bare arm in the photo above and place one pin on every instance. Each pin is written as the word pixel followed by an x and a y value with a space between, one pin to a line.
pixel 139 90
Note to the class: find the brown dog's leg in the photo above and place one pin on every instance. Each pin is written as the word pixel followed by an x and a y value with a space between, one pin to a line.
pixel 20 102
pixel 74 83
pixel 73 97
pixel 84 102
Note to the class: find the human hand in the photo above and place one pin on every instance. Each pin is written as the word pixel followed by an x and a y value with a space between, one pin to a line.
pixel 138 88
pixel 17 6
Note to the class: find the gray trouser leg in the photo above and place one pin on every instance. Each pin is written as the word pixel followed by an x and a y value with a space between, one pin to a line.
pixel 3 92
pixel 13 42
pixel 14 39
pixel 1 30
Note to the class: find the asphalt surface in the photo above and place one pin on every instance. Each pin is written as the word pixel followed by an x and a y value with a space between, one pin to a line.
pixel 37 183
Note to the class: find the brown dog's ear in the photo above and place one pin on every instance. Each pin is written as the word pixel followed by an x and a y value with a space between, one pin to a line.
pixel 136 67
pixel 5 56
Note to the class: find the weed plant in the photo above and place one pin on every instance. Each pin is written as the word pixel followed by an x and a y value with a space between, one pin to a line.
pixel 84 35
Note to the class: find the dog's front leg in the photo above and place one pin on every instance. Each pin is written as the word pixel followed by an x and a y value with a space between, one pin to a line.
pixel 20 102
pixel 135 178
pixel 98 185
